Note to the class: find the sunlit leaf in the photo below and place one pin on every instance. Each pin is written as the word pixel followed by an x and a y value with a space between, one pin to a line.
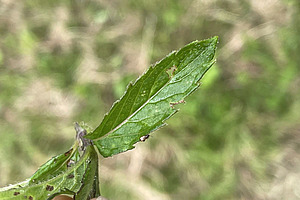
pixel 151 100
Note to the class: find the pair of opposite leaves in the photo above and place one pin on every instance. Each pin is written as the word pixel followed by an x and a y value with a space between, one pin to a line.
pixel 143 108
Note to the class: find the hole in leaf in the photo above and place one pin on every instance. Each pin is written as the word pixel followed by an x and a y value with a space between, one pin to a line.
pixel 171 71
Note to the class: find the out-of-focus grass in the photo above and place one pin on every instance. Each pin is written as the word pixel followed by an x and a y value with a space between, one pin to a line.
pixel 236 138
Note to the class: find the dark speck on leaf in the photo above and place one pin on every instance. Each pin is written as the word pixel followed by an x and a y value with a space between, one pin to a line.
pixel 70 176
pixel 16 193
pixel 49 187
pixel 68 152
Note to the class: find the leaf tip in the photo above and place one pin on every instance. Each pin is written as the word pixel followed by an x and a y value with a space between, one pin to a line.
pixel 216 38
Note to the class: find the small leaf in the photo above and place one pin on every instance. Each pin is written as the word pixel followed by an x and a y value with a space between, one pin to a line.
pixel 150 100
pixel 54 167
pixel 52 179
pixel 89 182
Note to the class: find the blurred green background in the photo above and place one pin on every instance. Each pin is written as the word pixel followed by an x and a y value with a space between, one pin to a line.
pixel 237 137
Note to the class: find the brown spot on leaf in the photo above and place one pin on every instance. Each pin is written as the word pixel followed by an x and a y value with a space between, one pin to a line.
pixel 172 104
pixel 171 71
pixel 49 187
pixel 70 163
pixel 70 176
pixel 16 193
pixel 30 198
pixel 68 152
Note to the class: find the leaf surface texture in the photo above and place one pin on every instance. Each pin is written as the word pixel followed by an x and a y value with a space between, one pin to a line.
pixel 151 100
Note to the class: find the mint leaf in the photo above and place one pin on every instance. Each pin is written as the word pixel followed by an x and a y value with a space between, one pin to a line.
pixel 151 99
pixel 52 179
pixel 89 184
pixel 54 166
pixel 143 108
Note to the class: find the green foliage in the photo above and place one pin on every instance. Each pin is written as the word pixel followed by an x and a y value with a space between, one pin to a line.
pixel 67 173
pixel 144 107
pixel 235 139
pixel 150 100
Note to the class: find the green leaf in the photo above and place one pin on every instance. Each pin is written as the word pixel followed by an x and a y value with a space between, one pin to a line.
pixel 143 108
pixel 54 166
pixel 57 176
pixel 151 99
pixel 89 184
